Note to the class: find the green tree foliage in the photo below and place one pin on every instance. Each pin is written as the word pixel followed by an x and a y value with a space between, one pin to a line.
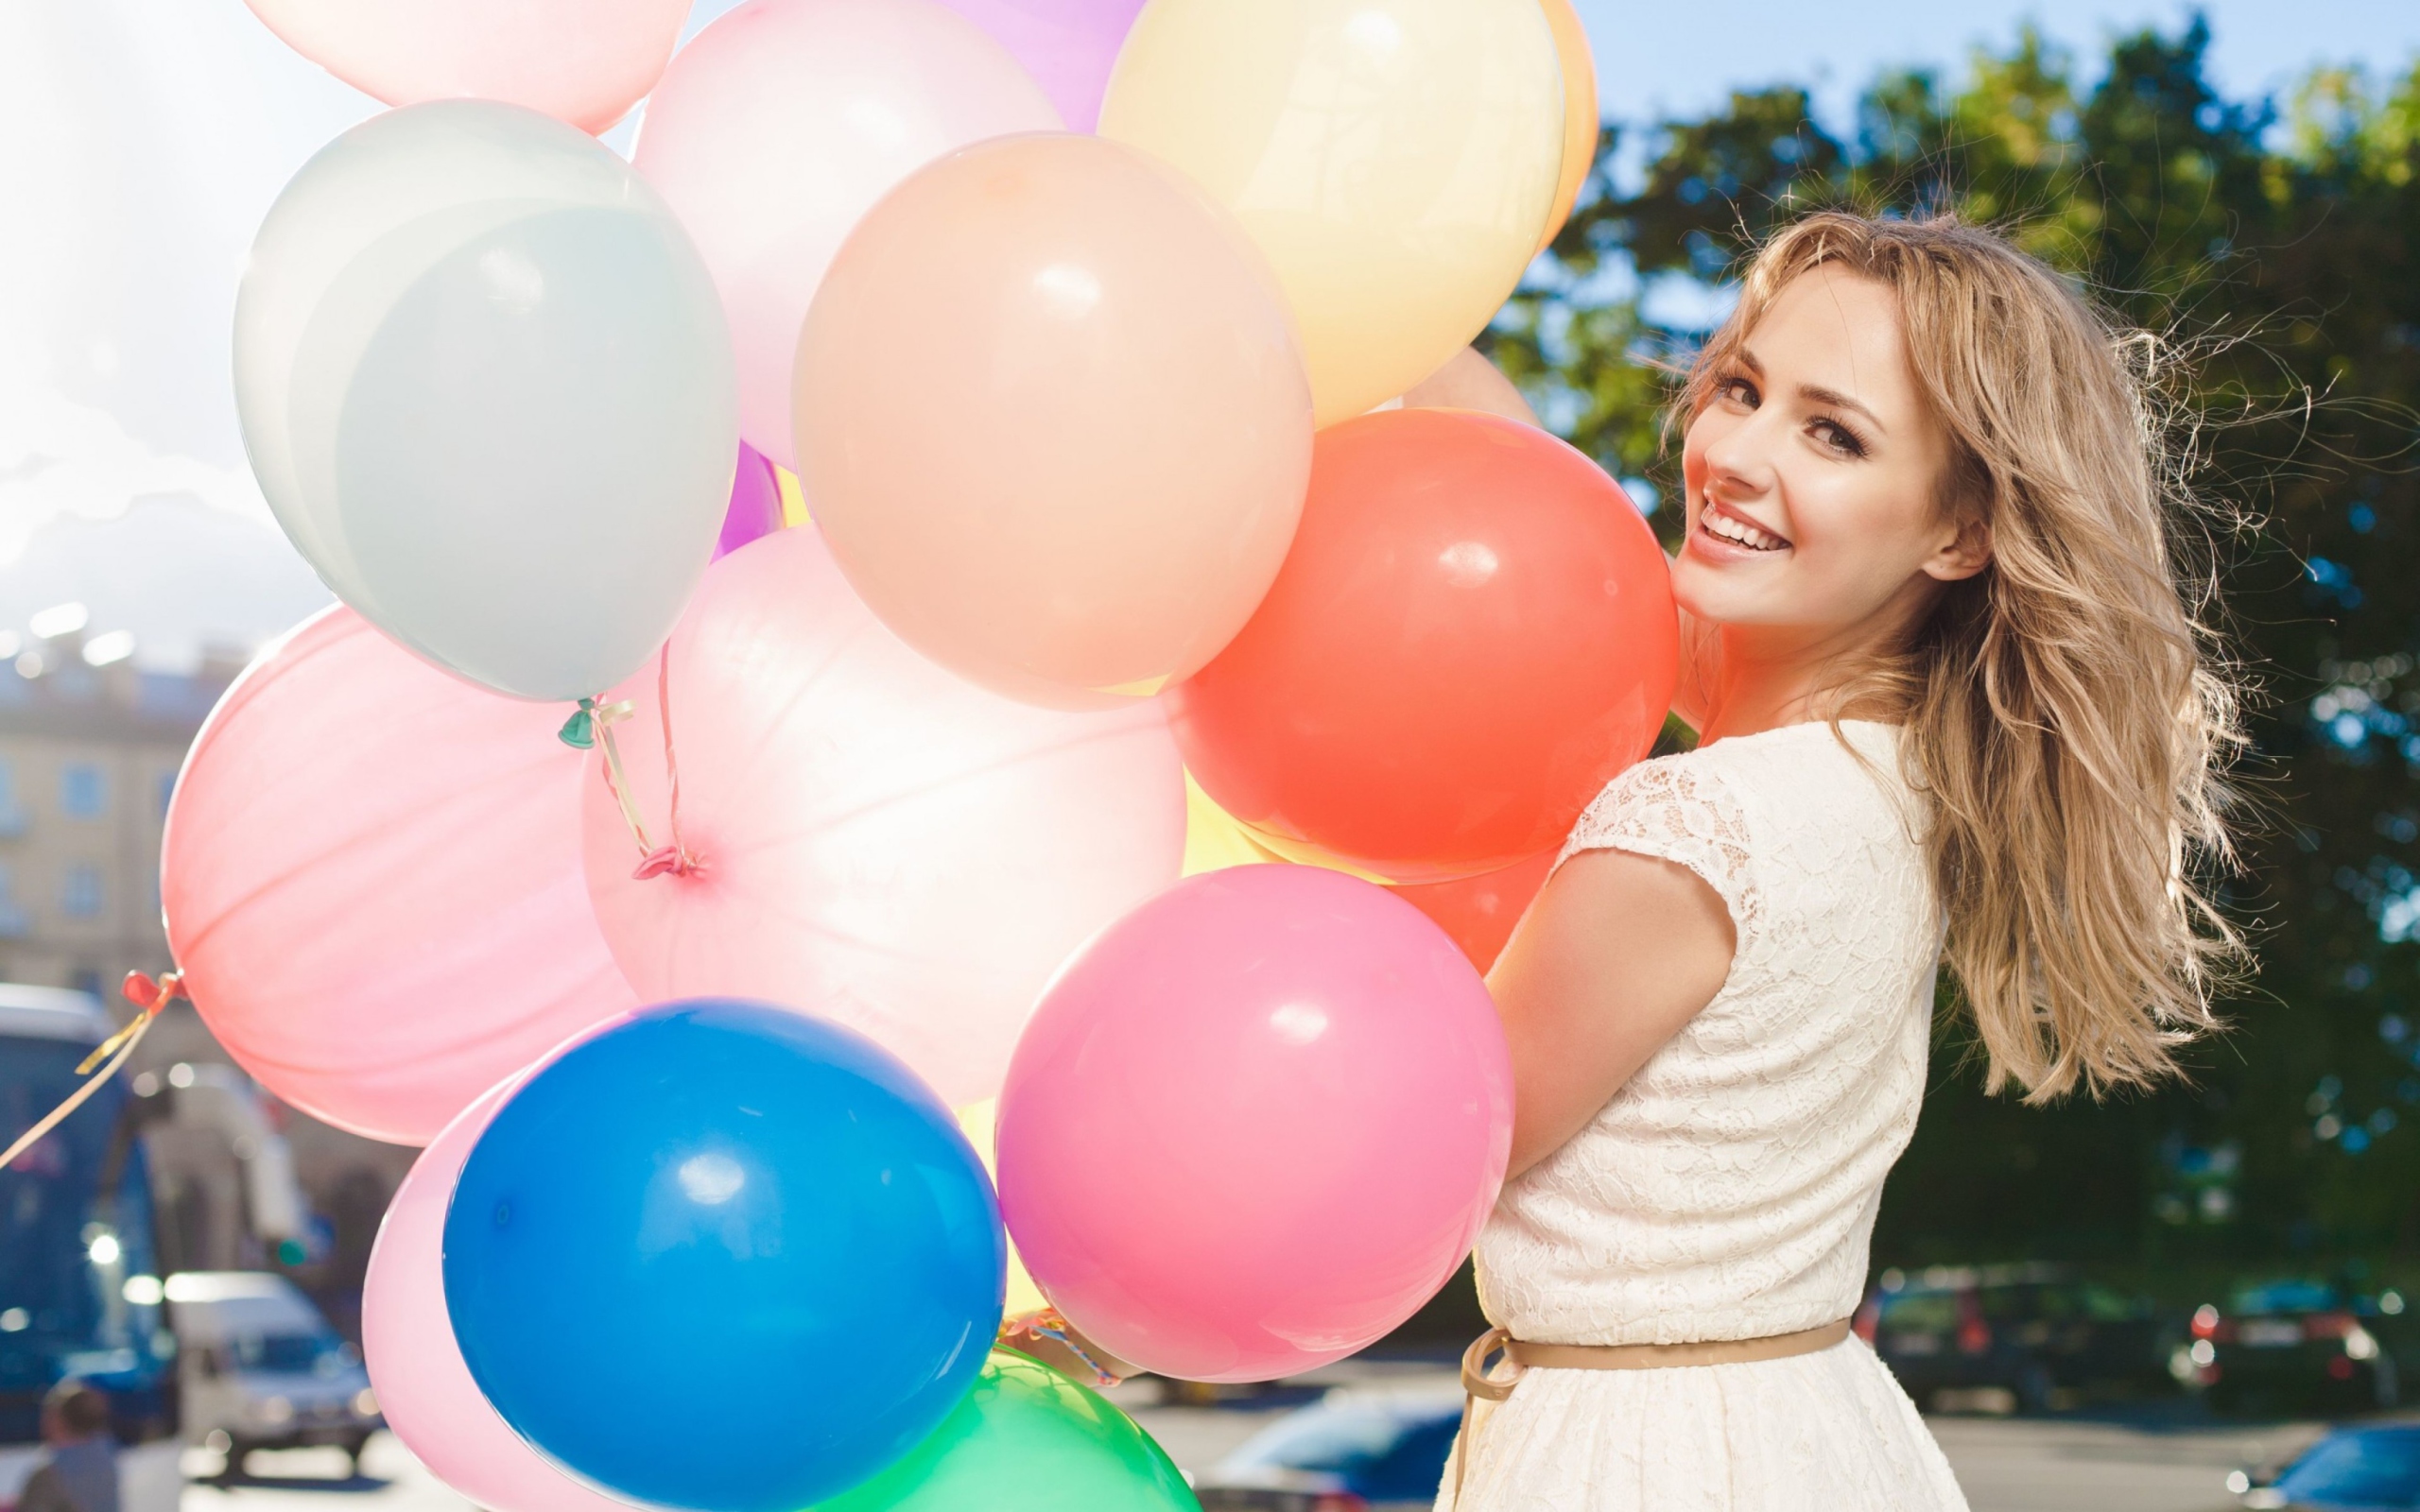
pixel 2274 247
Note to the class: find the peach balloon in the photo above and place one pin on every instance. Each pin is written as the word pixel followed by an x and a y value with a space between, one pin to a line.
pixel 874 840
pixel 1052 418
pixel 584 61
pixel 1581 118
pixel 372 882
pixel 779 127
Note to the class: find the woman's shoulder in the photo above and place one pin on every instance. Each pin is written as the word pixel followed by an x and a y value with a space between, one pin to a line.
pixel 1727 798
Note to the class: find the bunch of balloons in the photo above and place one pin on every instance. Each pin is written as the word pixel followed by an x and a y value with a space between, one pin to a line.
pixel 810 592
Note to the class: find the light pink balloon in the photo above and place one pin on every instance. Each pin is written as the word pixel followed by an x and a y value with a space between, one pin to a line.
pixel 372 876
pixel 1255 1124
pixel 425 1390
pixel 584 61
pixel 876 841
pixel 1068 45
pixel 780 125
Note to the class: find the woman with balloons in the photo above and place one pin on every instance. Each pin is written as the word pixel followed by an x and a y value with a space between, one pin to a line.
pixel 947 680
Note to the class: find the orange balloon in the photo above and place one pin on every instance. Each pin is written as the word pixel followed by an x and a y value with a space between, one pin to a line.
pixel 1479 912
pixel 1582 119
pixel 1472 634
pixel 1052 418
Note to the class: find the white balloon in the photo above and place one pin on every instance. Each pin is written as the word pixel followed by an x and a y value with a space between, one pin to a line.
pixel 485 386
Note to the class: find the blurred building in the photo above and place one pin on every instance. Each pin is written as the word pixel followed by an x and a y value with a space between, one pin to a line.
pixel 90 748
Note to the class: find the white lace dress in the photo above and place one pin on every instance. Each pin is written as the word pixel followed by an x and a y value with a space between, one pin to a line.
pixel 1728 1191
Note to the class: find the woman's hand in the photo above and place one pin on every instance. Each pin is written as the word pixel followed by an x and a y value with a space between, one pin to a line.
pixel 1617 953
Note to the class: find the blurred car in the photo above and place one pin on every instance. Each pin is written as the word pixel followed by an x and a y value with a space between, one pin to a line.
pixel 2015 1338
pixel 1356 1449
pixel 2358 1469
pixel 262 1370
pixel 2295 1346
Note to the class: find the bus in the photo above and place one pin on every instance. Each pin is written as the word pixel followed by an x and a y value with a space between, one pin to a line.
pixel 80 1288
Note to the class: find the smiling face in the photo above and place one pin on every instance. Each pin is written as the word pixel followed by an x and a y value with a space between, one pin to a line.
pixel 1814 475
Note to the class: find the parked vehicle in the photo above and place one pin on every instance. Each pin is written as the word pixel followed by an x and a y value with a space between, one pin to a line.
pixel 262 1370
pixel 2013 1338
pixel 2358 1469
pixel 79 1291
pixel 2296 1345
pixel 1356 1449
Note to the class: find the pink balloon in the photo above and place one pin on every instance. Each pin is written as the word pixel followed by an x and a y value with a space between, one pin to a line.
pixel 755 508
pixel 778 127
pixel 1068 45
pixel 1255 1124
pixel 875 840
pixel 372 876
pixel 584 61
pixel 424 1389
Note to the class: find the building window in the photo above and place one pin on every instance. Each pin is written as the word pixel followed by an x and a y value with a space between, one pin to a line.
pixel 82 792
pixel 14 922
pixel 80 891
pixel 12 818
pixel 168 790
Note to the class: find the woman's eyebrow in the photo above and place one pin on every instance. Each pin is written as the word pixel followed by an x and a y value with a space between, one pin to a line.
pixel 1818 394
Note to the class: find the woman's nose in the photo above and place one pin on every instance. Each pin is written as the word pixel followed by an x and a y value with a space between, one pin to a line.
pixel 1739 463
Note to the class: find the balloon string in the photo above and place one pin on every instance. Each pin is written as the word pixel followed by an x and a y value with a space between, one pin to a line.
pixel 143 993
pixel 616 782
pixel 674 858
pixel 1050 1324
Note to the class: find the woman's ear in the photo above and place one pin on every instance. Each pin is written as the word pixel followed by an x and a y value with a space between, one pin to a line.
pixel 1967 553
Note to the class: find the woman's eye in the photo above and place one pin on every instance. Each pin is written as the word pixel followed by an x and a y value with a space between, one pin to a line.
pixel 1739 391
pixel 1839 438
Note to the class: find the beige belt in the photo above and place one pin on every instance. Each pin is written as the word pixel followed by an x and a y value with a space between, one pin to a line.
pixel 1524 1356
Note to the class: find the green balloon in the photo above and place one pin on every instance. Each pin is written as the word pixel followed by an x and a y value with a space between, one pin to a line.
pixel 1027 1439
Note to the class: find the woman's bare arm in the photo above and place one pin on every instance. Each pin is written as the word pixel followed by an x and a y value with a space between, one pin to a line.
pixel 1619 952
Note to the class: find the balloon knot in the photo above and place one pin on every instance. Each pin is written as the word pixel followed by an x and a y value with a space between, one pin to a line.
pixel 666 861
pixel 150 995
pixel 580 731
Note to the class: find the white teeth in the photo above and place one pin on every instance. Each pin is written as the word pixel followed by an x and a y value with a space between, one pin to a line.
pixel 1741 531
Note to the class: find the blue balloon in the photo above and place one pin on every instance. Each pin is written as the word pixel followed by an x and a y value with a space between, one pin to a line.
pixel 724 1256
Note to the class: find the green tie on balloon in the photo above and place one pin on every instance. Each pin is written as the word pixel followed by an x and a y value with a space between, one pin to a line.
pixel 593 725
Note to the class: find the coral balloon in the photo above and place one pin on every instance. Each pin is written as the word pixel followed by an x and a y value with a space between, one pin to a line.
pixel 1581 118
pixel 1479 912
pixel 755 510
pixel 1029 1439
pixel 665 1252
pixel 372 882
pixel 584 61
pixel 876 840
pixel 425 1390
pixel 1396 159
pixel 1474 632
pixel 1255 1124
pixel 486 388
pixel 1068 45
pixel 779 127
pixel 1053 420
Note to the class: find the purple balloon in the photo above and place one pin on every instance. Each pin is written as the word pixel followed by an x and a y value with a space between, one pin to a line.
pixel 756 503
pixel 1068 45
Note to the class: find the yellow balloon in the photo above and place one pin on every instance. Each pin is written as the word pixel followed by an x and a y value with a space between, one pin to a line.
pixel 1215 840
pixel 976 1120
pixel 1582 119
pixel 1395 160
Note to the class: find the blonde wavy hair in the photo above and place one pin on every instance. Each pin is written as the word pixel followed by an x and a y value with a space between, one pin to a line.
pixel 2069 712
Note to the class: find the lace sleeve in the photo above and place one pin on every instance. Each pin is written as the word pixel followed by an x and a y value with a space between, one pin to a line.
pixel 1677 810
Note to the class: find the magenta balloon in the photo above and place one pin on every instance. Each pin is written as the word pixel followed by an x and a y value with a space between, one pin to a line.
pixel 1068 45
pixel 877 841
pixel 425 1390
pixel 372 876
pixel 1255 1124
pixel 756 503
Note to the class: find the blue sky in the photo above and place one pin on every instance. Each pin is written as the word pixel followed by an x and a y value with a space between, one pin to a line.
pixel 1684 58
